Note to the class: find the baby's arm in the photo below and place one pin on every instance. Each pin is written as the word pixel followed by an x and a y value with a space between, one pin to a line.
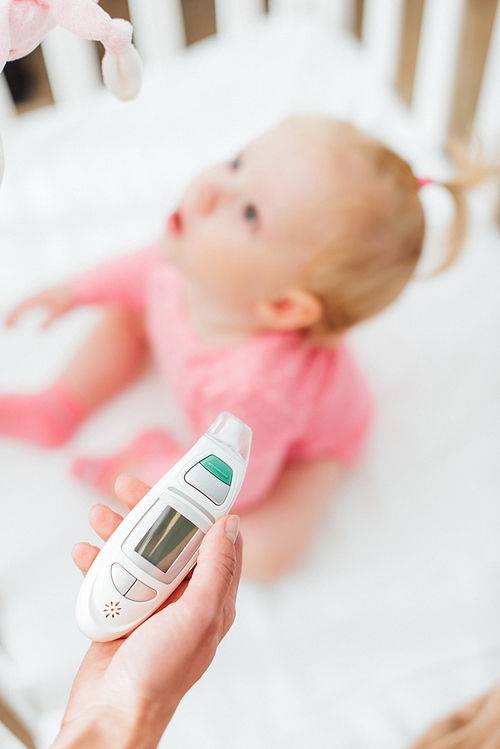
pixel 58 300
pixel 110 358
pixel 121 282
pixel 278 531
pixel 118 283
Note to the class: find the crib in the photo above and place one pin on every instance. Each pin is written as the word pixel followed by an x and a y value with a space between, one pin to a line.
pixel 393 619
pixel 442 57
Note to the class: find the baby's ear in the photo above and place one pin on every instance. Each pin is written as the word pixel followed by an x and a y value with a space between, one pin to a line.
pixel 296 309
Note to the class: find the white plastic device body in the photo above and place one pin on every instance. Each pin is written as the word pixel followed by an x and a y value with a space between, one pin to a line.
pixel 157 543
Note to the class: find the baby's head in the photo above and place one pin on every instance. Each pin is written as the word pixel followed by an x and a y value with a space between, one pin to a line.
pixel 376 228
pixel 314 226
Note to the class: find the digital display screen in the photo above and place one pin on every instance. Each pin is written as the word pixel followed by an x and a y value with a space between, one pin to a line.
pixel 168 536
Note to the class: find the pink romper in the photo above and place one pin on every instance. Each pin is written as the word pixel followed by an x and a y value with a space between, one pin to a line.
pixel 300 401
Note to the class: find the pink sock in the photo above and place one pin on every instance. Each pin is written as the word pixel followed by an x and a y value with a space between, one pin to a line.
pixel 47 418
pixel 148 457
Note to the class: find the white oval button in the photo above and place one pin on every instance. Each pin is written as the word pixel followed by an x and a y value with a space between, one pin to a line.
pixel 122 579
pixel 207 483
pixel 140 592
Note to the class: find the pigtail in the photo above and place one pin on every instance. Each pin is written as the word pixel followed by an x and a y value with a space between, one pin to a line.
pixel 470 174
pixel 379 229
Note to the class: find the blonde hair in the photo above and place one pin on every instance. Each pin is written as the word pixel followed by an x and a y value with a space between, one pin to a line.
pixel 380 232
pixel 469 175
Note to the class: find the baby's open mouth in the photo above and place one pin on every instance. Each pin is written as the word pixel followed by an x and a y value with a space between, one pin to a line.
pixel 174 223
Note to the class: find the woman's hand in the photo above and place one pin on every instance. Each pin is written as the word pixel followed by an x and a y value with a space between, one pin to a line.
pixel 58 300
pixel 476 726
pixel 127 690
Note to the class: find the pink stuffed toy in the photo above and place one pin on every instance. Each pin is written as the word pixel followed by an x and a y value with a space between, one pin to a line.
pixel 24 23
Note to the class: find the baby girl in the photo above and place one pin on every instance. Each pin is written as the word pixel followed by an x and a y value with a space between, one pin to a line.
pixel 269 259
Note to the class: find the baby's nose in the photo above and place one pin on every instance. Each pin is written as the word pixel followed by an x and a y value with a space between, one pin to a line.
pixel 209 195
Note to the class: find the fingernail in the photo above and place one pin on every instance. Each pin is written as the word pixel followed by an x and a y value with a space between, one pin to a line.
pixel 232 527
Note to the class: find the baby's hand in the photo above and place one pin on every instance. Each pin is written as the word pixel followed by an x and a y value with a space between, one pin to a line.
pixel 58 300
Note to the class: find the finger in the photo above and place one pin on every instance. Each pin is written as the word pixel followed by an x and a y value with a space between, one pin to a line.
pixel 104 521
pixel 83 555
pixel 448 729
pixel 24 306
pixel 216 573
pixel 16 312
pixel 178 592
pixel 130 490
pixel 50 319
pixel 229 610
pixel 446 735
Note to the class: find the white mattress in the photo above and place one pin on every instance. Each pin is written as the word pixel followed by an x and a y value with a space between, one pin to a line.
pixel 394 617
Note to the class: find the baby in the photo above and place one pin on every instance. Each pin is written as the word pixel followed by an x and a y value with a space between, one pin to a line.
pixel 243 303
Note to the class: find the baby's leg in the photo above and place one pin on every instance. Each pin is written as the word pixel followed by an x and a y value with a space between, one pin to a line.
pixel 278 531
pixel 148 457
pixel 111 357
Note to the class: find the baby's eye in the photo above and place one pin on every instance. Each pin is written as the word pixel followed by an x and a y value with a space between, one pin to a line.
pixel 250 213
pixel 235 164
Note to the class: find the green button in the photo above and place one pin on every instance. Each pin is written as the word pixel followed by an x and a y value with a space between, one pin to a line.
pixel 218 468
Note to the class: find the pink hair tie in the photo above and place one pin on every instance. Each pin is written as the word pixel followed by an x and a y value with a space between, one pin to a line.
pixel 425 181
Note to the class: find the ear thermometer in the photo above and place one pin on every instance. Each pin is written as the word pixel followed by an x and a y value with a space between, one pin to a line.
pixel 156 545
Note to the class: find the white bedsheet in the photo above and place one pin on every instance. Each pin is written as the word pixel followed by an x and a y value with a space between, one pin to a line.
pixel 394 617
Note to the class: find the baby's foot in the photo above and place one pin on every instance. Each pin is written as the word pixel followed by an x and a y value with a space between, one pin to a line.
pixel 47 418
pixel 148 457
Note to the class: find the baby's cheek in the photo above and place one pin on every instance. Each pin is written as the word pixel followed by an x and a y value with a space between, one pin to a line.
pixel 167 248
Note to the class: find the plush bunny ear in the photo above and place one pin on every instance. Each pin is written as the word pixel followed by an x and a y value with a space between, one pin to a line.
pixel 121 64
pixel 4 53
pixel 122 73
pixel 4 32
pixel 2 162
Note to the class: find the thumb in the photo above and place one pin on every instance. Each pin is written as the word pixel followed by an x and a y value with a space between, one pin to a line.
pixel 213 586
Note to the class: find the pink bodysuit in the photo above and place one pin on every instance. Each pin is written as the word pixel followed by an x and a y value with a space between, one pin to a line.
pixel 300 401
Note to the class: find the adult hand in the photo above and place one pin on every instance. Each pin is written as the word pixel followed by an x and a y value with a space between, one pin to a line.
pixel 476 726
pixel 127 690
pixel 57 300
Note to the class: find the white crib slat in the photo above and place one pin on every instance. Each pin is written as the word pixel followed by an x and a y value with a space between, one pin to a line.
pixel 381 33
pixel 331 11
pixel 280 6
pixel 7 106
pixel 440 38
pixel 158 28
pixel 232 16
pixel 338 13
pixel 487 120
pixel 72 66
